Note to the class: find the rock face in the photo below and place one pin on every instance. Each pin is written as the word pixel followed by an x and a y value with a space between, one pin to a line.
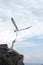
pixel 9 56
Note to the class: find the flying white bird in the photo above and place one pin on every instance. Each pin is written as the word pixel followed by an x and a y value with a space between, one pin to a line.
pixel 17 27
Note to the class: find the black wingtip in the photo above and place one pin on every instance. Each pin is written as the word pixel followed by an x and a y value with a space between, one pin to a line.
pixel 11 18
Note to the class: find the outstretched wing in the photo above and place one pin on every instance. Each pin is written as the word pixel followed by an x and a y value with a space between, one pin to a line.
pixel 14 24
pixel 25 28
pixel 13 43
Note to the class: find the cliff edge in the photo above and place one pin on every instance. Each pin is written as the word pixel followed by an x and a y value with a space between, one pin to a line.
pixel 9 56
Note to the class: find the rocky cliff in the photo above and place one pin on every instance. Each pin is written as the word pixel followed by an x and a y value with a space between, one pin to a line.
pixel 9 56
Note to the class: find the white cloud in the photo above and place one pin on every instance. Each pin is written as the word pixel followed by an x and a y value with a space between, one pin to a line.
pixel 34 56
pixel 25 44
pixel 23 13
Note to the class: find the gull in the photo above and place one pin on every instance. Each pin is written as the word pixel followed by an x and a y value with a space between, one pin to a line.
pixel 17 30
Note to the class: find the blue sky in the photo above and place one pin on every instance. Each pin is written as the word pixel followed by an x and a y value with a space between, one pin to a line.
pixel 25 13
